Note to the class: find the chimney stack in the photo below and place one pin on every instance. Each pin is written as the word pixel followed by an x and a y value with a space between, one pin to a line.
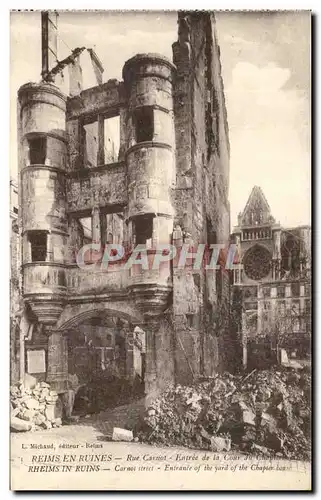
pixel 49 45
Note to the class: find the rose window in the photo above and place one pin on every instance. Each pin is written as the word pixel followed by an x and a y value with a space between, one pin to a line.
pixel 257 263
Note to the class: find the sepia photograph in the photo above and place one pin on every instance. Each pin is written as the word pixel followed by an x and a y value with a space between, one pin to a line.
pixel 160 250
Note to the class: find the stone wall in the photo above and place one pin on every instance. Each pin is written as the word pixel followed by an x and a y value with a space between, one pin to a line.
pixel 102 187
pixel 201 194
pixel 15 300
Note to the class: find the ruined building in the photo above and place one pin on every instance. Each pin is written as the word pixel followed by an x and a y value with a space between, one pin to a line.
pixel 272 291
pixel 163 177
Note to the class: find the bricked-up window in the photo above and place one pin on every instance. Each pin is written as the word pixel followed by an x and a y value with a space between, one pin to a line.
pixel 38 243
pixel 37 150
pixel 144 229
pixel 144 123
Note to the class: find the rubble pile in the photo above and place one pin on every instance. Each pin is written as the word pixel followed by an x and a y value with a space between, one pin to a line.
pixel 34 409
pixel 264 413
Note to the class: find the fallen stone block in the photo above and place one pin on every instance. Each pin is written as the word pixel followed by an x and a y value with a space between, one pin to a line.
pixel 32 404
pixel 22 415
pixel 274 441
pixel 122 434
pixel 46 425
pixel 260 449
pixel 204 434
pixel 268 421
pixel 29 414
pixel 19 425
pixel 14 412
pixel 39 419
pixel 248 417
pixel 220 443
pixel 194 399
pixel 242 405
pixel 14 391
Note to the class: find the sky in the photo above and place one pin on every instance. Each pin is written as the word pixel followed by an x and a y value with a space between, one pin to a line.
pixel 265 61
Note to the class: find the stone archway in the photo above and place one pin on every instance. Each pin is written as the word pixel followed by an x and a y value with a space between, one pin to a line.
pixel 74 314
pixel 105 361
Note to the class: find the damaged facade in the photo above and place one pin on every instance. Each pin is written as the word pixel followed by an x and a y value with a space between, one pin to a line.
pixel 272 292
pixel 144 160
pixel 15 281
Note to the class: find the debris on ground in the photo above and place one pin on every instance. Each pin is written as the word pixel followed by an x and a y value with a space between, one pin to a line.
pixel 34 409
pixel 105 392
pixel 266 413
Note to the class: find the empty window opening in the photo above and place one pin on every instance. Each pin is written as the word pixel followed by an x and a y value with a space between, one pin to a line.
pixel 144 230
pixel 87 230
pixel 144 124
pixel 190 320
pixel 38 242
pixel 295 289
pixel 37 150
pixel 211 233
pixel 111 139
pixel 290 254
pixel 112 228
pixel 90 144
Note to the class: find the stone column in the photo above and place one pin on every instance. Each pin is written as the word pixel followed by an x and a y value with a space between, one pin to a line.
pixel 302 299
pixel 129 355
pixel 155 235
pixel 50 250
pixel 96 225
pixel 57 362
pixel 101 141
pixel 122 134
pixel 74 144
pixel 150 362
